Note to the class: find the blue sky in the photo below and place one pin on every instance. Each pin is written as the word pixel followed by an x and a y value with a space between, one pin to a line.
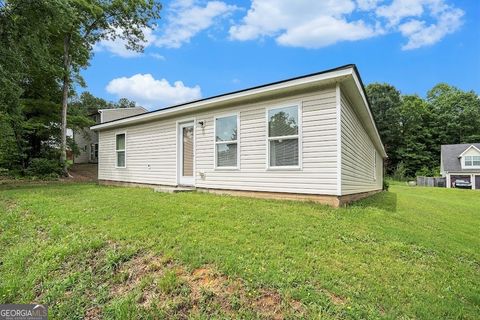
pixel 203 48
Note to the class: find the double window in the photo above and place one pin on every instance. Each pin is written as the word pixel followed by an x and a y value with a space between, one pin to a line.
pixel 283 137
pixel 226 142
pixel 472 161
pixel 120 150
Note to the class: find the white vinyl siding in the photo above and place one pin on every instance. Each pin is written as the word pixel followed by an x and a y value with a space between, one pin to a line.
pixel 119 113
pixel 151 155
pixel 362 165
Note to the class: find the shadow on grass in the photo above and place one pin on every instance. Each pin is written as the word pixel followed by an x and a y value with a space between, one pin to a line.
pixel 32 184
pixel 384 201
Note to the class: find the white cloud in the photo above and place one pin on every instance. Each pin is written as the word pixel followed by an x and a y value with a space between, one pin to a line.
pixel 118 46
pixel 308 24
pixel 420 35
pixel 186 19
pixel 325 31
pixel 157 56
pixel 367 5
pixel 152 93
pixel 400 9
pixel 274 17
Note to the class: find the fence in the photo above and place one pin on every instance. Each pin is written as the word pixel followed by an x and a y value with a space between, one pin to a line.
pixel 432 182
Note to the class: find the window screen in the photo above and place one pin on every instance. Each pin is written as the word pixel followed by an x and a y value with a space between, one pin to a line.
pixel 283 137
pixel 226 141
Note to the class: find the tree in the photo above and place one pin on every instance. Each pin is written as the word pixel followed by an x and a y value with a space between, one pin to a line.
pixel 125 103
pixel 84 23
pixel 457 114
pixel 385 101
pixel 415 140
pixel 28 76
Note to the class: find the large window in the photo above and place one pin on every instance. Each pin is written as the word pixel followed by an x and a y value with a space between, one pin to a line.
pixel 93 151
pixel 472 161
pixel 283 137
pixel 226 142
pixel 120 150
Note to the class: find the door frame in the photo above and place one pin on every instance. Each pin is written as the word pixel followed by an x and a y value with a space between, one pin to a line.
pixel 179 150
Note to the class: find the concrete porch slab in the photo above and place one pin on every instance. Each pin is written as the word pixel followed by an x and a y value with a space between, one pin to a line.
pixel 166 189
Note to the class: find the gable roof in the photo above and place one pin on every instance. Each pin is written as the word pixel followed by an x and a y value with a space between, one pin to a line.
pixel 472 146
pixel 347 74
pixel 452 152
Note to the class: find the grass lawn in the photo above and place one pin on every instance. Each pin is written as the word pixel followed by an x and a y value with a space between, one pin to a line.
pixel 95 251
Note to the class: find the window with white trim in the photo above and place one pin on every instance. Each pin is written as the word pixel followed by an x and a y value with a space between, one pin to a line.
pixel 283 137
pixel 226 142
pixel 472 161
pixel 120 150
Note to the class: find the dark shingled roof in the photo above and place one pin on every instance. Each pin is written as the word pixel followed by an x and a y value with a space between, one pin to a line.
pixel 450 153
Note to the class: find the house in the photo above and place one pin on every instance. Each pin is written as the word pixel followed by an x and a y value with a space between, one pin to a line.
pixel 461 162
pixel 312 138
pixel 87 140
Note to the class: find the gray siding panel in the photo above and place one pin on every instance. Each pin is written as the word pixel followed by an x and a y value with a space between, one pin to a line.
pixel 152 158
pixel 358 152
pixel 118 113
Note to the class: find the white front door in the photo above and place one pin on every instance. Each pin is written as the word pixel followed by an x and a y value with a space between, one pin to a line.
pixel 186 158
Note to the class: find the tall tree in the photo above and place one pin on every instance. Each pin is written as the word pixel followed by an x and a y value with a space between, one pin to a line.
pixel 85 22
pixel 415 140
pixel 386 101
pixel 457 114
pixel 28 74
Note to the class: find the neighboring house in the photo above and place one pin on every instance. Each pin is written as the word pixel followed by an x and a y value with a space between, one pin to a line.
pixel 461 162
pixel 87 140
pixel 311 137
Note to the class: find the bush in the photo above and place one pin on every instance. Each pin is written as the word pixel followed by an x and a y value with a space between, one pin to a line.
pixel 400 172
pixel 44 168
pixel 386 185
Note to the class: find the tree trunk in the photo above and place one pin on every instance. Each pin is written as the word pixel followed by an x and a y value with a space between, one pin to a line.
pixel 65 86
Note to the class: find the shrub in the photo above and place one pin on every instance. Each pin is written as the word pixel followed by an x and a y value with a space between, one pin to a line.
pixel 386 185
pixel 44 168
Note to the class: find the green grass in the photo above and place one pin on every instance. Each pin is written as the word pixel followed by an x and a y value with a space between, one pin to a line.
pixel 408 253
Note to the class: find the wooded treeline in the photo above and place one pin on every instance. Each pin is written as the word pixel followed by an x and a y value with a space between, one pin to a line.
pixel 43 47
pixel 413 128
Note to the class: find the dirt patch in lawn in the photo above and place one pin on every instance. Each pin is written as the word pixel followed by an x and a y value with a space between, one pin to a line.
pixel 160 283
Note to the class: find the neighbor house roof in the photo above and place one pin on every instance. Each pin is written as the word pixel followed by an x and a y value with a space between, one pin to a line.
pixel 451 156
pixel 347 74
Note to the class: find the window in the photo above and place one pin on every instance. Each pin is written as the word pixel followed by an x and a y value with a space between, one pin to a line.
pixel 472 161
pixel 226 142
pixel 94 151
pixel 283 138
pixel 120 150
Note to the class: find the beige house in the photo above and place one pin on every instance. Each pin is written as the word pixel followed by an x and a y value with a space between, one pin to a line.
pixel 87 140
pixel 311 137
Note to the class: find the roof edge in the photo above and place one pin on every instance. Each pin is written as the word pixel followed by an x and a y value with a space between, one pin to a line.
pixel 468 148
pixel 107 124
